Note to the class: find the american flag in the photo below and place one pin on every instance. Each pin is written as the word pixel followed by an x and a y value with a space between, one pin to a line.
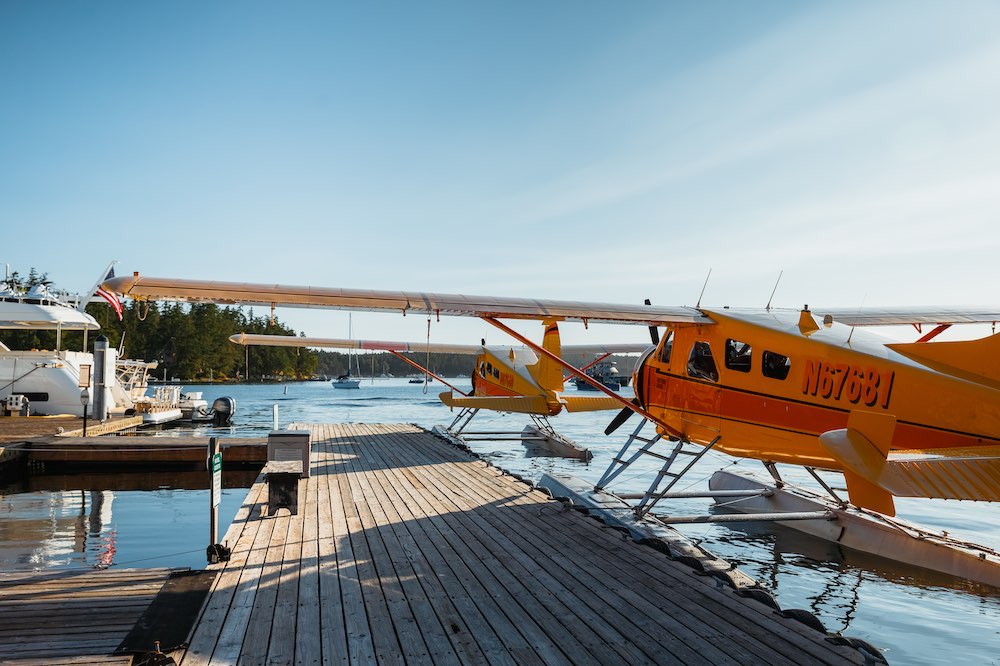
pixel 111 297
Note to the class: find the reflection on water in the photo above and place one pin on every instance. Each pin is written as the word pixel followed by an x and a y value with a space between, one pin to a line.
pixel 920 617
pixel 93 519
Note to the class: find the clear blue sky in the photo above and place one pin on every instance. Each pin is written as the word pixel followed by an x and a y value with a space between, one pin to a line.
pixel 581 150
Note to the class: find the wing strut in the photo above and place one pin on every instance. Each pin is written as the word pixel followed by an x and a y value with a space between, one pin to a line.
pixel 425 370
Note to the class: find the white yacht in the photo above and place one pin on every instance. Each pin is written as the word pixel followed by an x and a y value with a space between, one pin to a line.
pixel 49 379
pixel 48 382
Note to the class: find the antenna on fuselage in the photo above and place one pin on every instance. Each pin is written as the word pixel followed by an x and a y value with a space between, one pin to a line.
pixel 698 304
pixel 774 290
pixel 862 307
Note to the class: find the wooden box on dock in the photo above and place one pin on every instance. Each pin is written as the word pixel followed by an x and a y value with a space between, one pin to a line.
pixel 283 445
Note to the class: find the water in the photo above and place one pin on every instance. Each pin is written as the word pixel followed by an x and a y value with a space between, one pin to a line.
pixel 918 617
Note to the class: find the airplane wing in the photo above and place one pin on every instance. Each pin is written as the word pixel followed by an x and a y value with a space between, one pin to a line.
pixel 436 347
pixel 375 345
pixel 624 348
pixel 232 293
pixel 888 316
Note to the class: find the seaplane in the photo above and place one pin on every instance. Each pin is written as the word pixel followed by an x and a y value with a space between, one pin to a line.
pixel 504 379
pixel 807 387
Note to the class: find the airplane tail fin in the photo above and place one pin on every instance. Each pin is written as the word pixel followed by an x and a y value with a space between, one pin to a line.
pixel 550 375
pixel 974 360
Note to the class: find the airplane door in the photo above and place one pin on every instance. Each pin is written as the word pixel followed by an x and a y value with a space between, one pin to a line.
pixel 701 394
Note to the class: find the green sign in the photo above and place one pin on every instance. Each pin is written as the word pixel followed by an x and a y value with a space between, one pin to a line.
pixel 216 478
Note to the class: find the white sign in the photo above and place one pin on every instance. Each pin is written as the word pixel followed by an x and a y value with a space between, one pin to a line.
pixel 216 478
pixel 84 376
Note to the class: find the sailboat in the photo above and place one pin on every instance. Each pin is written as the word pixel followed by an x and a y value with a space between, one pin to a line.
pixel 346 381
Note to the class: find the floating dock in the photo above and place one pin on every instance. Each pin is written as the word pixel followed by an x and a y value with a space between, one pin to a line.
pixel 20 428
pixel 407 549
pixel 137 450
pixel 72 616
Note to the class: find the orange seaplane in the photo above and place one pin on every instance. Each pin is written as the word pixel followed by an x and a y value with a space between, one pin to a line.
pixel 504 379
pixel 807 387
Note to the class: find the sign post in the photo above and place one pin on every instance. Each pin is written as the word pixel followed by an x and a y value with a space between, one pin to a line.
pixel 215 468
pixel 85 393
pixel 84 400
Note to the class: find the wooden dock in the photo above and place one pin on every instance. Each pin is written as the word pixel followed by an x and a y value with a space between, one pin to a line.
pixel 23 428
pixel 140 450
pixel 17 429
pixel 72 616
pixel 406 549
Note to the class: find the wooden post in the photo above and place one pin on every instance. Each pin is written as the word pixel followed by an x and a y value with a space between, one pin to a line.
pixel 215 488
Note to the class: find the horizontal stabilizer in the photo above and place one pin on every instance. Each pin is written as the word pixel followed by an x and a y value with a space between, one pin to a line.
pixel 519 404
pixel 589 403
pixel 974 360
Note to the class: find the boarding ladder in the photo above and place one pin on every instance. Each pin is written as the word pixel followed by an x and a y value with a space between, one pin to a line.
pixel 682 447
pixel 463 418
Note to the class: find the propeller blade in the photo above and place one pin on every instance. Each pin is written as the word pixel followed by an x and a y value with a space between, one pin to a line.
pixel 620 418
pixel 654 333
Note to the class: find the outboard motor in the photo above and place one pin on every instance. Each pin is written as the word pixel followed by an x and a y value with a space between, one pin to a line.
pixel 223 410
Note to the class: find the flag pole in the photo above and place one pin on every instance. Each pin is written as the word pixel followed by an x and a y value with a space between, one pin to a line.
pixel 93 290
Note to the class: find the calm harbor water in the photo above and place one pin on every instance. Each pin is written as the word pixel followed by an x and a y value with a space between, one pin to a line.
pixel 139 520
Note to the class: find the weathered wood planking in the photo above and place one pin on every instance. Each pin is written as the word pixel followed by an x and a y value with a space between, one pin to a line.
pixel 72 616
pixel 406 549
pixel 23 428
pixel 143 450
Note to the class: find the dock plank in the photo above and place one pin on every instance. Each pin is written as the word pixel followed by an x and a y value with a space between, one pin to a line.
pixel 306 629
pixel 281 648
pixel 338 606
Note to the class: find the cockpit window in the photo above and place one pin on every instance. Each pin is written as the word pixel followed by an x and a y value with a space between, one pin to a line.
pixel 668 343
pixel 775 365
pixel 701 364
pixel 738 355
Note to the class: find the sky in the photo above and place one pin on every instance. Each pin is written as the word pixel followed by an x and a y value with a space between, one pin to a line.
pixel 576 150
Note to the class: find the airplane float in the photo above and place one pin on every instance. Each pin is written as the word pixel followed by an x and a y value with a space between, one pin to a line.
pixel 808 388
pixel 504 379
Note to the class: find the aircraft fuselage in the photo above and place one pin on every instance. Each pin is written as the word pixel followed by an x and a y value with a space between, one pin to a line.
pixel 769 383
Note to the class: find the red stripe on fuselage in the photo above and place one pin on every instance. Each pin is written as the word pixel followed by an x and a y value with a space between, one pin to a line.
pixel 769 411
